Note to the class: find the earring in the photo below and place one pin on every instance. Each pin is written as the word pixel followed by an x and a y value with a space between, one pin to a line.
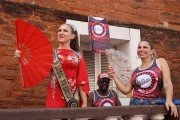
pixel 152 56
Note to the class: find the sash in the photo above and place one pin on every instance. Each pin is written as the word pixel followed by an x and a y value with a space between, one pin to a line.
pixel 63 82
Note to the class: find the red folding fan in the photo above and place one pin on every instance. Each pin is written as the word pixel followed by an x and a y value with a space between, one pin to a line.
pixel 36 53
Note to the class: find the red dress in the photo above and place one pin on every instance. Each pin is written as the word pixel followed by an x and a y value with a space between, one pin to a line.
pixel 74 67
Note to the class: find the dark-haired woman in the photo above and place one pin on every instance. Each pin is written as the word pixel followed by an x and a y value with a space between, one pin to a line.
pixel 74 68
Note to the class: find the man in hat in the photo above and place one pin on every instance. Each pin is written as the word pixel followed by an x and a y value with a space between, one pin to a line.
pixel 103 96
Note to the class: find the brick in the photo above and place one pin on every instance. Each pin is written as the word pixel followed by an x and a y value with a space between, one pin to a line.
pixel 148 9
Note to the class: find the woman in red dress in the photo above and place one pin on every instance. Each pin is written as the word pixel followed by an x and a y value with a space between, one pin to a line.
pixel 74 67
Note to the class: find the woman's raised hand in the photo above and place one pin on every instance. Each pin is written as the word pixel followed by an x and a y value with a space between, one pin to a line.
pixel 111 71
pixel 17 54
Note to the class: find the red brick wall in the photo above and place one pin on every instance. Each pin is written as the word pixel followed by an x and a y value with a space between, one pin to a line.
pixel 145 12
pixel 12 94
pixel 48 16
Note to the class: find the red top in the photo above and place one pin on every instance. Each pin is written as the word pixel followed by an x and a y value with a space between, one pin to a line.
pixel 148 82
pixel 74 67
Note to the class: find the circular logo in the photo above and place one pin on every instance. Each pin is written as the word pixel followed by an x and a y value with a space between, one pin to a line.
pixel 73 103
pixel 106 102
pixel 144 81
pixel 98 29
pixel 147 80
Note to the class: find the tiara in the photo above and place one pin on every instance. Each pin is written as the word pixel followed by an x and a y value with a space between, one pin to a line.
pixel 71 25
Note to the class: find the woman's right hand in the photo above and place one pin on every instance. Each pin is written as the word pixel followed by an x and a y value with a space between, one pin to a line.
pixel 17 54
pixel 111 71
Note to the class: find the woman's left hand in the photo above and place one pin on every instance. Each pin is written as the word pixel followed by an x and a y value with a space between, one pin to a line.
pixel 170 105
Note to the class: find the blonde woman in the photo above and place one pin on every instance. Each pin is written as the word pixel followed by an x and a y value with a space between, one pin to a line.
pixel 147 81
